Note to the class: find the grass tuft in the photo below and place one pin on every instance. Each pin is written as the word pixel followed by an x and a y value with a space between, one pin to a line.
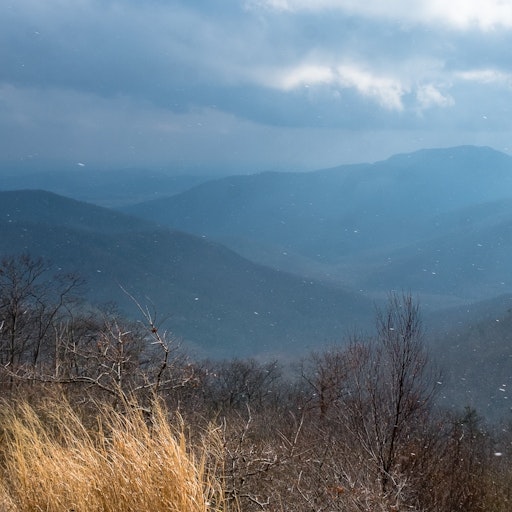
pixel 52 462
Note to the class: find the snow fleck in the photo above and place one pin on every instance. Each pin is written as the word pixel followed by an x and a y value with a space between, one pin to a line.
pixel 498 454
pixel 80 164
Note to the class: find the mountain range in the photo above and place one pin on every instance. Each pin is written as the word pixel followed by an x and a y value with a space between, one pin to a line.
pixel 278 264
pixel 435 222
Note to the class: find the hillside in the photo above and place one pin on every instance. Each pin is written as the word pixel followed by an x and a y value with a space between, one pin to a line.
pixel 52 210
pixel 219 302
pixel 472 346
pixel 465 254
pixel 370 226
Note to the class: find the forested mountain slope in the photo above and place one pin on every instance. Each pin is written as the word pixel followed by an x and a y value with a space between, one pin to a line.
pixel 373 226
pixel 219 302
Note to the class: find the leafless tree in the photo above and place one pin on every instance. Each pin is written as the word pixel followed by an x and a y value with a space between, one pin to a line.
pixel 32 300
pixel 236 384
pixel 391 388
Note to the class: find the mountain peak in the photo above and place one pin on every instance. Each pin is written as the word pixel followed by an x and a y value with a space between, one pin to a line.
pixel 457 153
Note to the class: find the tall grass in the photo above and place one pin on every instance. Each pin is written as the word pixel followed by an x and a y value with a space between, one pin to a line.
pixel 51 461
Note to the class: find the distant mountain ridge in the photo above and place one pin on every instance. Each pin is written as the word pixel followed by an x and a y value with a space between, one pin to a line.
pixel 356 224
pixel 110 188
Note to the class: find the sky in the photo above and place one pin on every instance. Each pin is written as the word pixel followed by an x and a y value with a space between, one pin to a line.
pixel 238 86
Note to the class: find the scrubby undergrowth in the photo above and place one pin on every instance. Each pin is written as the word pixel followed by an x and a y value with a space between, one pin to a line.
pixel 91 418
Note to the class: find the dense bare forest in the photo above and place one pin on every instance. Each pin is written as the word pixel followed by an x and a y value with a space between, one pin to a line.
pixel 91 397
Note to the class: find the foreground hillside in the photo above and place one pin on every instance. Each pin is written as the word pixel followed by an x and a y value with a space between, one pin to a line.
pixel 103 414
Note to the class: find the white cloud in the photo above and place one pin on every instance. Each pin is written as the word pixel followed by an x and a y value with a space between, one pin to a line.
pixel 486 76
pixel 386 91
pixel 302 75
pixel 484 14
pixel 429 95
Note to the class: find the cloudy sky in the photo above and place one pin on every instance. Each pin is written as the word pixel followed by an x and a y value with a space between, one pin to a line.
pixel 249 85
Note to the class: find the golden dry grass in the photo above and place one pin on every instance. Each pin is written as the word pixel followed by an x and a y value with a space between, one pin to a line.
pixel 52 462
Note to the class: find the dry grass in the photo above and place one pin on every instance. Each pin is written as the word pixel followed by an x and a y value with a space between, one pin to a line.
pixel 52 462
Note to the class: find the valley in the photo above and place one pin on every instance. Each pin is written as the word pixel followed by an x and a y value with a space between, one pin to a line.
pixel 280 264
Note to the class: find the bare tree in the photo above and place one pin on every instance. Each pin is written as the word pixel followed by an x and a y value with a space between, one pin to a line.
pixel 392 386
pixel 18 278
pixel 31 301
pixel 235 384
pixel 326 375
